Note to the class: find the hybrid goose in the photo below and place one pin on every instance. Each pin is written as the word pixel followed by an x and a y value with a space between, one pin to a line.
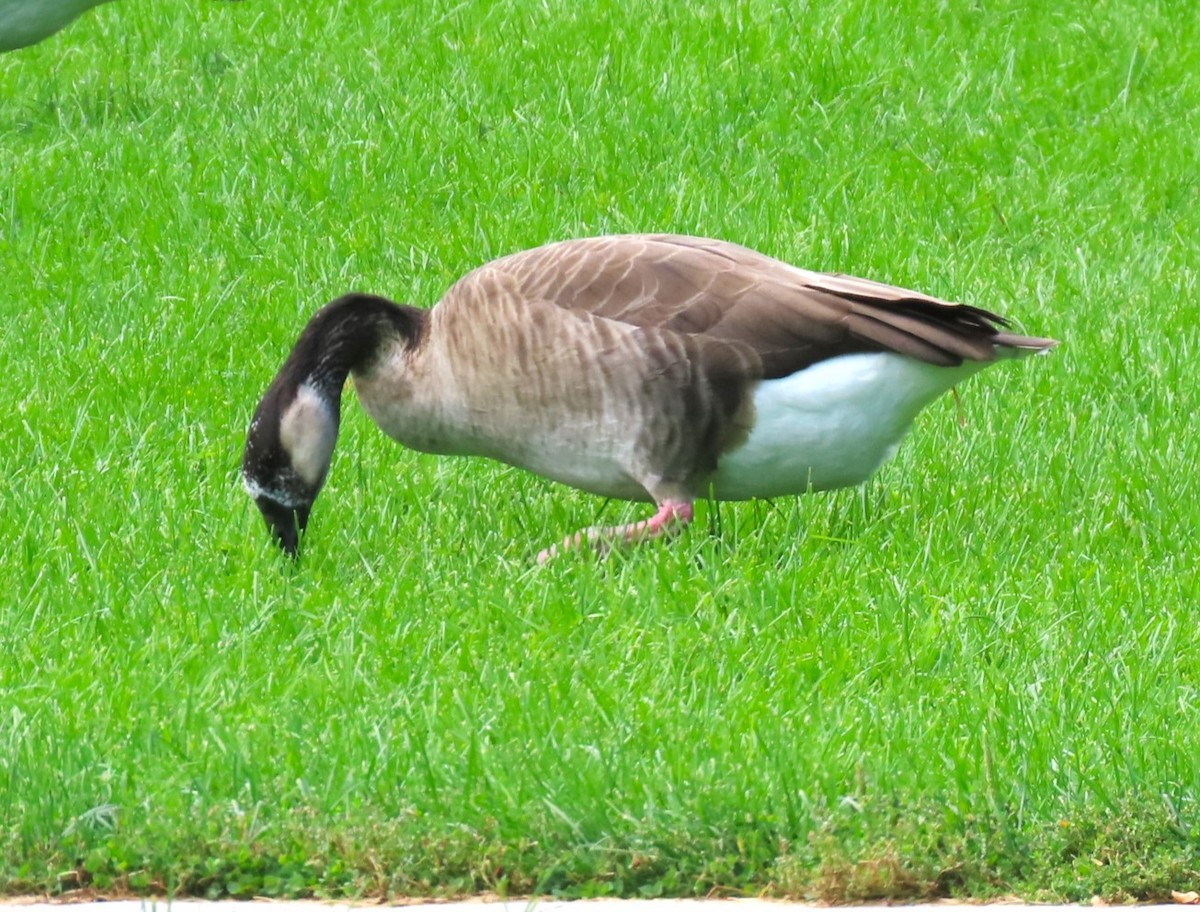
pixel 656 368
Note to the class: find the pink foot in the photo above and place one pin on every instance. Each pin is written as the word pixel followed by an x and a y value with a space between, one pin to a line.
pixel 671 515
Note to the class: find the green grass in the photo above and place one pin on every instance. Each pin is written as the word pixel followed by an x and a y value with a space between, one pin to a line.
pixel 977 675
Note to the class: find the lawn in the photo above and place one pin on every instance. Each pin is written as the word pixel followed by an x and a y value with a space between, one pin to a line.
pixel 977 675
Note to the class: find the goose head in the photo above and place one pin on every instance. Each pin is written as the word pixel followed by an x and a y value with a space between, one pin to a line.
pixel 292 435
pixel 288 451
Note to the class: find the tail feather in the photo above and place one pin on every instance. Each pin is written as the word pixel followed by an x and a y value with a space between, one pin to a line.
pixel 1010 345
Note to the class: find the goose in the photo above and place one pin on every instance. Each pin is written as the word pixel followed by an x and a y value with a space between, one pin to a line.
pixel 658 368
pixel 26 22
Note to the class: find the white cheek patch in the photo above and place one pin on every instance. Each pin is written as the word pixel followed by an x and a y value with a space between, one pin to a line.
pixel 308 432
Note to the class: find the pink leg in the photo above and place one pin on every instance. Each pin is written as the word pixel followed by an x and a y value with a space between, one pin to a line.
pixel 671 515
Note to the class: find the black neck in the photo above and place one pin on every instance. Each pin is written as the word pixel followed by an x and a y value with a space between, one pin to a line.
pixel 348 335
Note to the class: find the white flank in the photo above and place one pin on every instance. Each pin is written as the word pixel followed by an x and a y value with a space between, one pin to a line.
pixel 832 425
pixel 308 433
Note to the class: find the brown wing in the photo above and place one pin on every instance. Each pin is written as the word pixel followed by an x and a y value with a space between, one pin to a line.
pixel 789 317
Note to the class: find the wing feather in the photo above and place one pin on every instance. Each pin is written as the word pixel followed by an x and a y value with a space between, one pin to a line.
pixel 781 316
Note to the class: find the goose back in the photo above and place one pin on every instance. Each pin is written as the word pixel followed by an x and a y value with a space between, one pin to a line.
pixel 784 317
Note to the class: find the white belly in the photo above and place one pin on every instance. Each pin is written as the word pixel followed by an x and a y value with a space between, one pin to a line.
pixel 832 425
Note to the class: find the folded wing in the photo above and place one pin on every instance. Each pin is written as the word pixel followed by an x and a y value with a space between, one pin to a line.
pixel 789 318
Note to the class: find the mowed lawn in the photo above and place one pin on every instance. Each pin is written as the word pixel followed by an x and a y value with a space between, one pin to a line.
pixel 979 674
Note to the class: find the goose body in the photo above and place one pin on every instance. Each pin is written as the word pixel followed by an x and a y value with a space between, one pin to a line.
pixel 641 367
